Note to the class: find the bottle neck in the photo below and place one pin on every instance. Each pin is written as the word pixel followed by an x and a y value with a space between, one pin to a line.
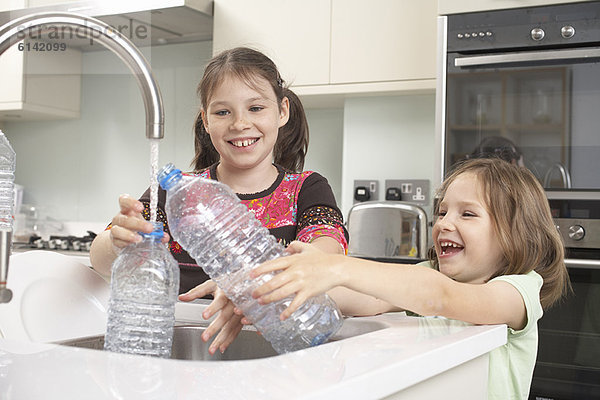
pixel 156 235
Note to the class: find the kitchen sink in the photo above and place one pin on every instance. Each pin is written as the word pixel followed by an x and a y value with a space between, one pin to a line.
pixel 188 344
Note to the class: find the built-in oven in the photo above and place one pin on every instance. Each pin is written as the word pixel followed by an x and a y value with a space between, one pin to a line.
pixel 529 77
pixel 524 84
pixel 568 361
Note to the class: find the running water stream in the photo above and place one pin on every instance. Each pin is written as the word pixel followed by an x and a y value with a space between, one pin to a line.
pixel 153 181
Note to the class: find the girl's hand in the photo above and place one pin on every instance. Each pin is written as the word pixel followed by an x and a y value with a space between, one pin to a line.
pixel 128 222
pixel 307 272
pixel 228 322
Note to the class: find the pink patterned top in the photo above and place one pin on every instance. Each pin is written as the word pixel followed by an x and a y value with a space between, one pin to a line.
pixel 295 207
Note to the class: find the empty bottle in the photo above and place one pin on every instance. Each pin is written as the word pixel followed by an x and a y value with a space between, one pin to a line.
pixel 227 241
pixel 143 292
pixel 7 183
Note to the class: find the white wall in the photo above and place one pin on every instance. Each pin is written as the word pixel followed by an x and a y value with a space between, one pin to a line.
pixel 74 170
pixel 388 137
pixel 325 146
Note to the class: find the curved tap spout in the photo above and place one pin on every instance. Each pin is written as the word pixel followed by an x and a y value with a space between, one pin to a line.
pixel 20 28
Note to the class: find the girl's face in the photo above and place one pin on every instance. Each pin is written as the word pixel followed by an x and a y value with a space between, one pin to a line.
pixel 243 122
pixel 464 237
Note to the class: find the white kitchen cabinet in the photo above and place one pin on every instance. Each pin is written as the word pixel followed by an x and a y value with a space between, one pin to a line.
pixel 293 33
pixel 383 40
pixel 332 49
pixel 39 85
pixel 459 6
pixel 7 5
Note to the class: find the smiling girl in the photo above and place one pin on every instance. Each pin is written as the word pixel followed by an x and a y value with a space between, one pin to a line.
pixel 497 259
pixel 251 133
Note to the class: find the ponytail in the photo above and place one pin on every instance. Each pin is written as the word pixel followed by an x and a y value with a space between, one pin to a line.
pixel 205 153
pixel 292 141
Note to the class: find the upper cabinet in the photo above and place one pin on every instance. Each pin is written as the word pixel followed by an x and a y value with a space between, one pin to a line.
pixel 328 49
pixel 295 34
pixel 462 6
pixel 382 40
pixel 39 84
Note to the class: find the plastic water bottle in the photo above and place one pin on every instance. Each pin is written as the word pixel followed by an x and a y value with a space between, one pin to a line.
pixel 227 241
pixel 143 292
pixel 8 162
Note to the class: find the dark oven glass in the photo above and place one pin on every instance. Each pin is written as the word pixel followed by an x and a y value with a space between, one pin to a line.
pixel 568 361
pixel 544 97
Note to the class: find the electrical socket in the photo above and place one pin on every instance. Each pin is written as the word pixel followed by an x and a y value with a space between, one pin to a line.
pixel 372 187
pixel 411 190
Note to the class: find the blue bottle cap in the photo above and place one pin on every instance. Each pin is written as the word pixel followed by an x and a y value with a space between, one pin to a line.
pixel 157 232
pixel 167 175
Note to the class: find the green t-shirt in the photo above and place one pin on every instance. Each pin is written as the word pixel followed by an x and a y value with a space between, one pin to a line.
pixel 511 366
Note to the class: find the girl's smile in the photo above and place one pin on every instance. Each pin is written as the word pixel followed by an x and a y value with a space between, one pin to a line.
pixel 465 238
pixel 243 142
pixel 243 121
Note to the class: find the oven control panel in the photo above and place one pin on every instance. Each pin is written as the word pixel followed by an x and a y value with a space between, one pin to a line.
pixel 579 233
pixel 519 29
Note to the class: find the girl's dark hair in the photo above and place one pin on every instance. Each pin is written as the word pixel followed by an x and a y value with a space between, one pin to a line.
pixel 523 222
pixel 249 65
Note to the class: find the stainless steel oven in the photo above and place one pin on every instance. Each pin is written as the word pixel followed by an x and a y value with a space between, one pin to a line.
pixel 568 361
pixel 528 75
pixel 526 83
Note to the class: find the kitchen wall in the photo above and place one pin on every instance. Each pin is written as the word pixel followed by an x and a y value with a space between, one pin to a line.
pixel 387 137
pixel 74 170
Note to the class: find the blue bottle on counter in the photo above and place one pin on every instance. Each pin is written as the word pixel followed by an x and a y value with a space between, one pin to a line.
pixel 208 220
pixel 143 292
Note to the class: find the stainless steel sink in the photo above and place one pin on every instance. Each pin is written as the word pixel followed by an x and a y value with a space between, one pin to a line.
pixel 188 345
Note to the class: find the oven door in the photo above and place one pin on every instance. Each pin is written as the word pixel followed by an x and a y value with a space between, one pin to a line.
pixel 546 102
pixel 568 361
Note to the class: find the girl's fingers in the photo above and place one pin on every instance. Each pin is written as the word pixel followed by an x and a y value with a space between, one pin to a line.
pixel 227 335
pixel 276 282
pixel 294 305
pixel 199 291
pixel 219 303
pixel 269 266
pixel 122 237
pixel 280 293
pixel 218 323
pixel 129 205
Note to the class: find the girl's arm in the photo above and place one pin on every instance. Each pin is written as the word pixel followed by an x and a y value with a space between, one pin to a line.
pixel 351 302
pixel 416 288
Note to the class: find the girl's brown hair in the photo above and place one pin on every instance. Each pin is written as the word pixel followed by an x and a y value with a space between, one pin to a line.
pixel 248 65
pixel 521 216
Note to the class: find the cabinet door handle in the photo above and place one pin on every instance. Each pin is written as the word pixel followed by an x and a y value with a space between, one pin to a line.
pixel 528 57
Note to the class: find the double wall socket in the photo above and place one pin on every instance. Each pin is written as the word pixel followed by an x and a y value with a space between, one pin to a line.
pixel 369 193
pixel 411 190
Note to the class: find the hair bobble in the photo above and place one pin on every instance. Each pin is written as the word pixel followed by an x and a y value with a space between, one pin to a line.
pixel 279 82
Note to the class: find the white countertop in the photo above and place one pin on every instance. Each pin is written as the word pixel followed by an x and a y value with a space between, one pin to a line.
pixel 368 366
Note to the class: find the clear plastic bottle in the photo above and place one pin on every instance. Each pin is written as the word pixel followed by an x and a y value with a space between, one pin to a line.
pixel 227 241
pixel 7 182
pixel 143 292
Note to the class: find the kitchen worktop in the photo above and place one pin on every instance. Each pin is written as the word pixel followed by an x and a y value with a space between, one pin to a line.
pixel 409 357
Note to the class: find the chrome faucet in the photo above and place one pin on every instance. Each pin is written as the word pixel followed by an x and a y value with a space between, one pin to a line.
pixel 19 28
pixel 564 175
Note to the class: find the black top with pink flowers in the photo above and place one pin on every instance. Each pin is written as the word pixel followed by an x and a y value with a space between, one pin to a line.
pixel 295 207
